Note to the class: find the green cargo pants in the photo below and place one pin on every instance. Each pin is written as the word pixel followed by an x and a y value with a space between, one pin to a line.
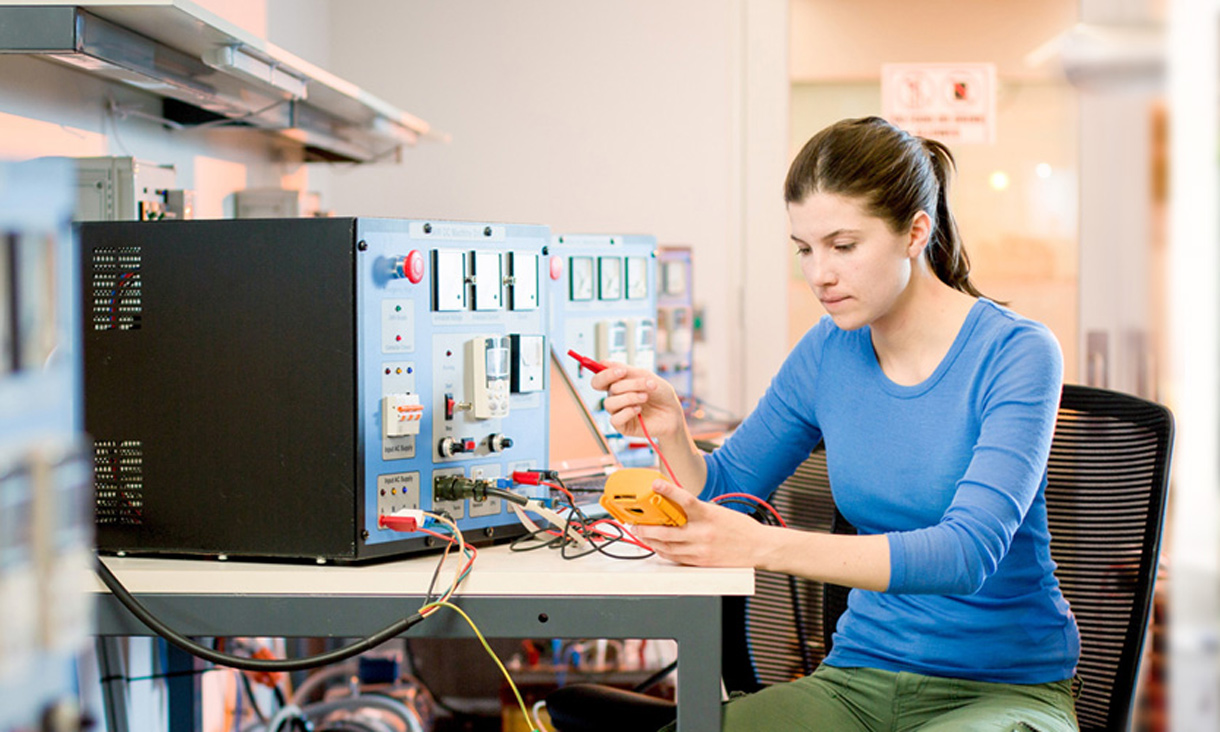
pixel 869 700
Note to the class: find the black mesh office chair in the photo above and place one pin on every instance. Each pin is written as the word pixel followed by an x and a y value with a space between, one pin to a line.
pixel 1107 481
pixel 1105 496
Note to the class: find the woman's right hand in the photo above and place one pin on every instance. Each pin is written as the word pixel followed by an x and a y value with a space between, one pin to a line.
pixel 632 392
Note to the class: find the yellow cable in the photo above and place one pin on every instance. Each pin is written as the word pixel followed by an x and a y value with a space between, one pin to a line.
pixel 461 542
pixel 490 652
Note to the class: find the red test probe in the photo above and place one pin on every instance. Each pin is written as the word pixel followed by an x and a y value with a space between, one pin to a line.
pixel 587 362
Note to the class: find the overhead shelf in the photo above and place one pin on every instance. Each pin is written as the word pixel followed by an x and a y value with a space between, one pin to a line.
pixel 208 69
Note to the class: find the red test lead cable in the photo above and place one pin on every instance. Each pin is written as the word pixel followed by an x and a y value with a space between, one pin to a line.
pixel 597 367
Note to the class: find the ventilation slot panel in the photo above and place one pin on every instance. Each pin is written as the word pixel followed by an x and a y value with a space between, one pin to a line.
pixel 117 289
pixel 119 480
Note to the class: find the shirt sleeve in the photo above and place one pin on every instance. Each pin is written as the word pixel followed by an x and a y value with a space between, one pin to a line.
pixel 779 434
pixel 1020 400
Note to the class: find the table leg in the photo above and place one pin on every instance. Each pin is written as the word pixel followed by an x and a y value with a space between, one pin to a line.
pixel 699 657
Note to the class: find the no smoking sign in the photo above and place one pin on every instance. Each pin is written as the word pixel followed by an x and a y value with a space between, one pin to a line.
pixel 953 103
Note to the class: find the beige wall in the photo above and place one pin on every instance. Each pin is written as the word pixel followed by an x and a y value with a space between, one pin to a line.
pixel 833 40
pixel 626 117
pixel 1022 240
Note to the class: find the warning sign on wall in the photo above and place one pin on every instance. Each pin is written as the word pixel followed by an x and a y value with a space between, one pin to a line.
pixel 953 103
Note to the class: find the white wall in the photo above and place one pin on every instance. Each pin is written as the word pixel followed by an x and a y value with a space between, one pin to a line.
pixel 1194 84
pixel 625 117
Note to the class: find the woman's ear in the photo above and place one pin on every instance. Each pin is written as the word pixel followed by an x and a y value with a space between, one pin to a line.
pixel 919 234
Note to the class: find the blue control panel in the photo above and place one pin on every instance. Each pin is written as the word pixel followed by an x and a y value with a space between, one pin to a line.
pixel 676 320
pixel 603 293
pixel 453 363
pixel 310 376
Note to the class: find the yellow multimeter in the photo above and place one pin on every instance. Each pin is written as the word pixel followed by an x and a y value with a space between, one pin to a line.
pixel 628 497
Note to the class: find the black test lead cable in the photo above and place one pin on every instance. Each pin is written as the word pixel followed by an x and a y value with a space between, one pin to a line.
pixel 136 608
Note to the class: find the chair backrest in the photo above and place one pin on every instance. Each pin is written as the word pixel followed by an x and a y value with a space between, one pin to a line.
pixel 1107 480
pixel 784 638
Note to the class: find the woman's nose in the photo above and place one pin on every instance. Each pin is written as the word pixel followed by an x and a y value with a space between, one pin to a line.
pixel 818 270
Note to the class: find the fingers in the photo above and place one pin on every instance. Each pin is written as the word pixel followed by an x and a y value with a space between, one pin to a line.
pixel 686 500
pixel 622 419
pixel 629 392
pixel 613 372
pixel 644 385
pixel 619 378
pixel 624 401
pixel 659 536
pixel 671 543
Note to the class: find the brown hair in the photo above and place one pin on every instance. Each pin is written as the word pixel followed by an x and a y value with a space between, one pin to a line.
pixel 896 175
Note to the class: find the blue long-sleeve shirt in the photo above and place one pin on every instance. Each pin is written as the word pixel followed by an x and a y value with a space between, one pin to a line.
pixel 952 471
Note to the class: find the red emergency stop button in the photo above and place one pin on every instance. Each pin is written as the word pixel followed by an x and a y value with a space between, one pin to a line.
pixel 556 267
pixel 411 267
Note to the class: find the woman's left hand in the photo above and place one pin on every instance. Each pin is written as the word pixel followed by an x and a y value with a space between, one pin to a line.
pixel 713 536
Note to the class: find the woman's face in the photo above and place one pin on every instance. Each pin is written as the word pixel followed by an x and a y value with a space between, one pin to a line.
pixel 856 266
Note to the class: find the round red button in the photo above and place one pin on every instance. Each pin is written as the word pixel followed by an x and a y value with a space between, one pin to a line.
pixel 413 266
pixel 556 267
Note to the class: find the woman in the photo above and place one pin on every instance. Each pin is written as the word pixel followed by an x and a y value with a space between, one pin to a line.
pixel 937 408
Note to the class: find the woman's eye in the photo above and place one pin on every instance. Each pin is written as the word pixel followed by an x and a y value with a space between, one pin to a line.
pixel 845 247
pixel 802 251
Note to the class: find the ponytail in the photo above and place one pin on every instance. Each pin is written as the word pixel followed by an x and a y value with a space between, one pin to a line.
pixel 946 254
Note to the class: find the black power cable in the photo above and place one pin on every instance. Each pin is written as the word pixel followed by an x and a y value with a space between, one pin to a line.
pixel 246 664
pixel 249 691
pixel 656 678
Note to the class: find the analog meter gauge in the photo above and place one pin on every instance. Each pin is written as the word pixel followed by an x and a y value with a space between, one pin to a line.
pixel 581 282
pixel 637 278
pixel 610 278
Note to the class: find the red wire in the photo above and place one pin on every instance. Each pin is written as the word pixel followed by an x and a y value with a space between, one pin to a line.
pixel 757 500
pixel 592 532
pixel 474 553
pixel 626 536
pixel 561 489
pixel 657 450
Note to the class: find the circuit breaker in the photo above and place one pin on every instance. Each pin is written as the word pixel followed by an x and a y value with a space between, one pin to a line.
pixel 269 388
